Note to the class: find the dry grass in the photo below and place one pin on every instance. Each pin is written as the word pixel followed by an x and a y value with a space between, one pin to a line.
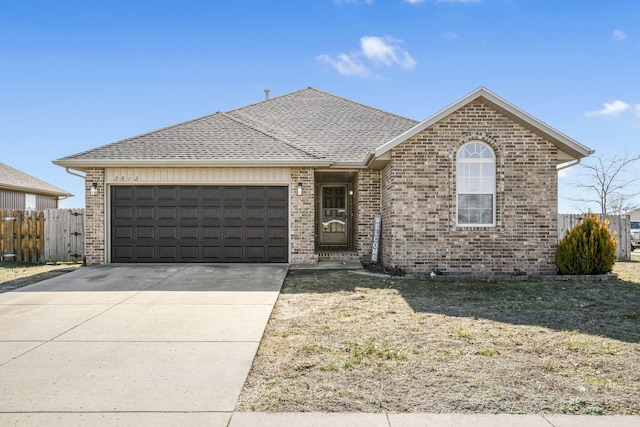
pixel 14 275
pixel 339 341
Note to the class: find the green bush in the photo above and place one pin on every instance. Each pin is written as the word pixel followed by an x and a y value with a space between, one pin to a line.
pixel 589 248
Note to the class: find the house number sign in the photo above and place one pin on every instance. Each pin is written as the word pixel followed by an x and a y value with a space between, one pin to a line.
pixel 375 240
pixel 125 178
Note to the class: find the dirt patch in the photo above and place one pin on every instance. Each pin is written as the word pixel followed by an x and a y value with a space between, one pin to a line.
pixel 14 275
pixel 339 341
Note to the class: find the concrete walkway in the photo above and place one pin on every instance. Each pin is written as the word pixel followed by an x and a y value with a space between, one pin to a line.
pixel 165 345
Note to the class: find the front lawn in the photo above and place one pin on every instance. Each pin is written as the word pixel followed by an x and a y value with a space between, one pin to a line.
pixel 340 341
pixel 14 275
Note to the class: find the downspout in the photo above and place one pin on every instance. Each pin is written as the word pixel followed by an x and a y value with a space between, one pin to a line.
pixel 74 174
pixel 568 165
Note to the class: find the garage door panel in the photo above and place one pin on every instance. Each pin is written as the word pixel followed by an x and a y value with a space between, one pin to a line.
pixel 189 233
pixel 255 194
pixel 122 212
pixel 255 213
pixel 233 193
pixel 189 193
pixel 255 233
pixel 212 252
pixel 189 252
pixel 232 212
pixel 143 193
pixel 254 253
pixel 167 193
pixel 145 212
pixel 145 232
pixel 188 212
pixel 211 233
pixel 278 194
pixel 199 224
pixel 123 193
pixel 144 252
pixel 211 212
pixel 233 253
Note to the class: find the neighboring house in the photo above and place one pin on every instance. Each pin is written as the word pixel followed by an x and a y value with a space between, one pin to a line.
pixel 19 190
pixel 635 215
pixel 298 178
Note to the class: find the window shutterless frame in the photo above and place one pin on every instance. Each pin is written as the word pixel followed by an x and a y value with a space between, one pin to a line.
pixel 475 185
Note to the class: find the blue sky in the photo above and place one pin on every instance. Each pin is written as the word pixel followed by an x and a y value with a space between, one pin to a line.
pixel 75 75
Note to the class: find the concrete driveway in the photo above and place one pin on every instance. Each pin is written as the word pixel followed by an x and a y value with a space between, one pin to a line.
pixel 134 344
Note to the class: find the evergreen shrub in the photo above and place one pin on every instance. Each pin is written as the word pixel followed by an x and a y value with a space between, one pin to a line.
pixel 589 248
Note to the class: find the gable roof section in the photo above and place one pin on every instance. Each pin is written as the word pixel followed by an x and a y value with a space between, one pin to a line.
pixel 569 148
pixel 304 128
pixel 15 180
pixel 216 139
pixel 329 126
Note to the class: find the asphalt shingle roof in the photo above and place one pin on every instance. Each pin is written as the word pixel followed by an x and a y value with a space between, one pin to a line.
pixel 16 180
pixel 304 126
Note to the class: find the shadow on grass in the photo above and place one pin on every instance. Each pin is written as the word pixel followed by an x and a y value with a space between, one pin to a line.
pixel 608 309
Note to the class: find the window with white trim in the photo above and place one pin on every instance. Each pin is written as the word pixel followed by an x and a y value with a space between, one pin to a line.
pixel 476 185
pixel 29 202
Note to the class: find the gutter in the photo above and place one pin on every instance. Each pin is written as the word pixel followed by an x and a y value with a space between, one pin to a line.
pixel 77 165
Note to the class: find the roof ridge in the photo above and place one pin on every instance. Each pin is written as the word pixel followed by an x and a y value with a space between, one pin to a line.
pixel 361 104
pixel 267 133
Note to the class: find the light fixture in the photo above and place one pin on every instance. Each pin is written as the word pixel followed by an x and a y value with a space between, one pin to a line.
pixel 351 192
pixel 299 189
pixel 94 189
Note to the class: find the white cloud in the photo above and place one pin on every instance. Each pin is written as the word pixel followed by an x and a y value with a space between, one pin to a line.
pixel 348 65
pixel 637 110
pixel 619 35
pixel 610 109
pixel 377 51
pixel 386 51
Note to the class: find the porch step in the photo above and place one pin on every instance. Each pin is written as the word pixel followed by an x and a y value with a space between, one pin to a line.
pixel 338 256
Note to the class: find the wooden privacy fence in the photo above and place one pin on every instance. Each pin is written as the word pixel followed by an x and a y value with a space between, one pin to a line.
pixel 52 235
pixel 619 224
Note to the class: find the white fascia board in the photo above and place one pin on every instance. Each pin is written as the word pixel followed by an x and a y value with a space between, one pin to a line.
pixel 85 164
pixel 559 138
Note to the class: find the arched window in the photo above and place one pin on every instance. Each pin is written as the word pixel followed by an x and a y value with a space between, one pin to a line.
pixel 476 185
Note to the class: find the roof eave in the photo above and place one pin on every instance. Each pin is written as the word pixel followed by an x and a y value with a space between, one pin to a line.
pixel 561 140
pixel 83 165
pixel 35 190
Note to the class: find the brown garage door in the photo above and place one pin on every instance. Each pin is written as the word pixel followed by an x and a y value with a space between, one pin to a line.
pixel 199 224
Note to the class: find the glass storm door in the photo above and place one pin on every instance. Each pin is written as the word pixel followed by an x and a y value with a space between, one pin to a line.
pixel 333 215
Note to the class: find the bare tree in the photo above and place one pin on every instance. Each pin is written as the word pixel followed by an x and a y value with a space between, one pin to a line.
pixel 608 184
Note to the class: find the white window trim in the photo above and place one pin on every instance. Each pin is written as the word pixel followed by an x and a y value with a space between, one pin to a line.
pixel 30 199
pixel 493 193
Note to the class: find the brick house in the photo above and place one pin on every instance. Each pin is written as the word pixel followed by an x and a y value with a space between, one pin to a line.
pixel 19 190
pixel 298 178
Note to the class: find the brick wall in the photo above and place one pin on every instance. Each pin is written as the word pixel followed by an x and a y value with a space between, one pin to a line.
pixel 367 195
pixel 419 231
pixel 302 214
pixel 95 218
